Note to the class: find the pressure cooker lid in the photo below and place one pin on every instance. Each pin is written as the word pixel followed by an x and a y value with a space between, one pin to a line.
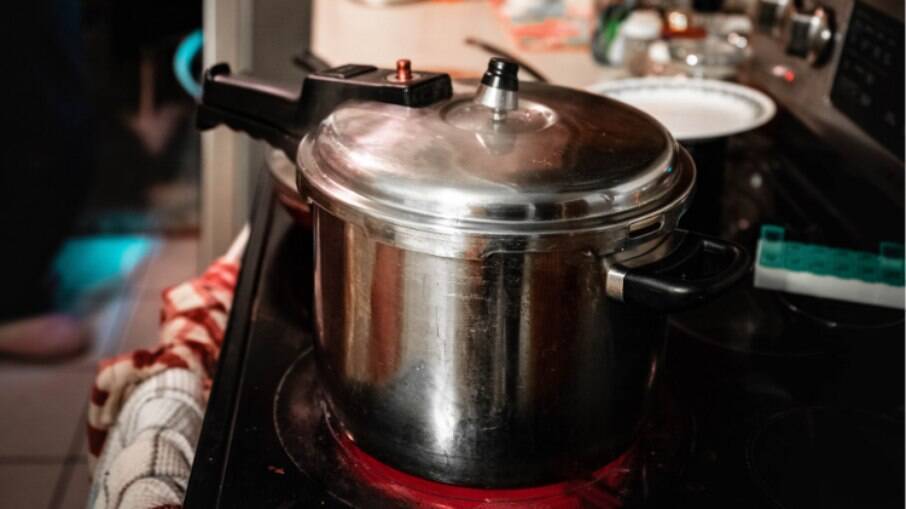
pixel 508 157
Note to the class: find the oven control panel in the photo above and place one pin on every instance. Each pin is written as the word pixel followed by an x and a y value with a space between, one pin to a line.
pixel 868 87
pixel 837 66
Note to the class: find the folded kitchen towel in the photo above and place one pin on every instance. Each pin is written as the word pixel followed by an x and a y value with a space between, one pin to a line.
pixel 146 406
pixel 148 454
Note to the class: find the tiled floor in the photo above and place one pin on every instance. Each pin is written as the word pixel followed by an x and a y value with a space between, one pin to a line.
pixel 43 461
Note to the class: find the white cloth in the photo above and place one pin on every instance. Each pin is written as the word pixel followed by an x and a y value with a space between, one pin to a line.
pixel 147 407
pixel 148 455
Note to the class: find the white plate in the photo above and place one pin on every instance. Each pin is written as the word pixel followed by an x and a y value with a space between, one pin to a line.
pixel 693 109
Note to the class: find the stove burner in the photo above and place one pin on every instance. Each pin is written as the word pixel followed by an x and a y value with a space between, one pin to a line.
pixel 320 450
pixel 600 490
pixel 840 315
pixel 828 458
pixel 754 322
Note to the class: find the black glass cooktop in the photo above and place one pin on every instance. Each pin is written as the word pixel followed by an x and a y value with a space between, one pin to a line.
pixel 764 400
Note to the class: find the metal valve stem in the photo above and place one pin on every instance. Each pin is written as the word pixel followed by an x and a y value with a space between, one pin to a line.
pixel 499 88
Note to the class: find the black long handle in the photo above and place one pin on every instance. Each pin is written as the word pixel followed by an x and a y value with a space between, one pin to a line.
pixel 281 116
pixel 310 62
pixel 263 110
pixel 685 278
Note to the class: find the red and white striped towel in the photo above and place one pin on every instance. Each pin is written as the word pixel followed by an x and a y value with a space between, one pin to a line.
pixel 146 406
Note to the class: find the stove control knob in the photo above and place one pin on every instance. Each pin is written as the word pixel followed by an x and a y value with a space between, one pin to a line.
pixel 811 35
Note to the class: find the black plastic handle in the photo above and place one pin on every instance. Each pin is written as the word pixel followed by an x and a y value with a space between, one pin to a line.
pixel 281 116
pixel 699 269
pixel 263 110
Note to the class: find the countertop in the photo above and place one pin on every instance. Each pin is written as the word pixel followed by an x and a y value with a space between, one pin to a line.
pixel 432 35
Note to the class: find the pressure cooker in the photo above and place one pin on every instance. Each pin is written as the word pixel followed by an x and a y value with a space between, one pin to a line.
pixel 495 261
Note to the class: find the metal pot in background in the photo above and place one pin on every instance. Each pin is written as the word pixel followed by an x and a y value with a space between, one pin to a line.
pixel 283 172
pixel 494 264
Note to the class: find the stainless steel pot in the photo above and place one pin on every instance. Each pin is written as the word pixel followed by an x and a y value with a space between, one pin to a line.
pixel 493 268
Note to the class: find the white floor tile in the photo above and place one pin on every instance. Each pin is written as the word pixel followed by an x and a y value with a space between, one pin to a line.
pixel 42 410
pixel 29 486
pixel 143 329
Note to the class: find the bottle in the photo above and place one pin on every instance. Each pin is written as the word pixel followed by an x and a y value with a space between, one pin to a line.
pixel 640 29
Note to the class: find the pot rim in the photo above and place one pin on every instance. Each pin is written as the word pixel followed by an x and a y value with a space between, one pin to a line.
pixel 455 238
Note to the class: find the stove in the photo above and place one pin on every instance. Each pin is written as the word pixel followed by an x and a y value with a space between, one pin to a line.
pixel 761 399
pixel 764 399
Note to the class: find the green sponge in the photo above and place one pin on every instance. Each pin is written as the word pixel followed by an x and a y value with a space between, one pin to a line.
pixel 831 273
pixel 884 267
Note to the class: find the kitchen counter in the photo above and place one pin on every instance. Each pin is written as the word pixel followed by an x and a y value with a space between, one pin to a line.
pixel 432 35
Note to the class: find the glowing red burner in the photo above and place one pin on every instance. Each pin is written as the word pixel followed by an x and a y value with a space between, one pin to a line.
pixel 599 490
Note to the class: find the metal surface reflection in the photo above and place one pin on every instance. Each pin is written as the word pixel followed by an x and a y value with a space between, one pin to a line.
pixel 503 371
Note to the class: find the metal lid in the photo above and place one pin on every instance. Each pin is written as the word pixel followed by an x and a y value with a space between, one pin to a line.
pixel 563 158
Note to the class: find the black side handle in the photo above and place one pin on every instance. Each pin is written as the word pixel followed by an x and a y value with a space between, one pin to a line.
pixel 698 270
pixel 263 110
